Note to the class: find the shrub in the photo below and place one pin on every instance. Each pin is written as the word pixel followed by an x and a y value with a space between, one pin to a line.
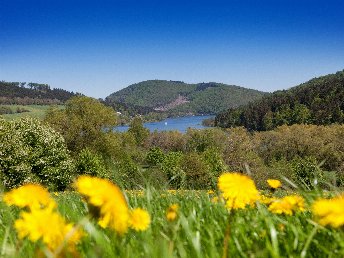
pixel 200 140
pixel 32 152
pixel 166 141
pixel 83 123
pixel 215 164
pixel 155 156
pixel 196 170
pixel 307 172
pixel 137 129
pixel 325 143
pixel 171 166
pixel 90 163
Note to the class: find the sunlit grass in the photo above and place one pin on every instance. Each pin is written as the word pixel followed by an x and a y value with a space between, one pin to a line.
pixel 198 230
pixel 35 111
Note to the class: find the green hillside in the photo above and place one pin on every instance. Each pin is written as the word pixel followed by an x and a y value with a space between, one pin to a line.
pixel 22 93
pixel 178 98
pixel 318 101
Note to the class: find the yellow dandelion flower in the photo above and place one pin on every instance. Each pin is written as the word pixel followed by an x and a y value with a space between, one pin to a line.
pixel 273 183
pixel 330 211
pixel 107 199
pixel 172 212
pixel 266 199
pixel 287 205
pixel 49 226
pixel 172 191
pixel 238 190
pixel 139 219
pixel 30 196
pixel 210 192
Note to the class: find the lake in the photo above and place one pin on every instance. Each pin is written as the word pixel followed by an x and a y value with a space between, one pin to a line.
pixel 173 124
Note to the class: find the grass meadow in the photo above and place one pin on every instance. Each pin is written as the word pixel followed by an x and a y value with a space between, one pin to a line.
pixel 198 230
pixel 35 111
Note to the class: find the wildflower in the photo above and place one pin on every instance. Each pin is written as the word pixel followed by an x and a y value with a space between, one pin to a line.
pixel 48 226
pixel 172 191
pixel 287 205
pixel 330 211
pixel 273 183
pixel 107 200
pixel 29 196
pixel 171 213
pixel 238 190
pixel 266 199
pixel 139 219
pixel 210 192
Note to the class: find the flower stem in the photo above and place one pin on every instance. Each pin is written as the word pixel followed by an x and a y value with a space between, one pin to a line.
pixel 227 235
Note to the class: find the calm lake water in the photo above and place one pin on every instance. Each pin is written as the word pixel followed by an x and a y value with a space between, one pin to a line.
pixel 173 124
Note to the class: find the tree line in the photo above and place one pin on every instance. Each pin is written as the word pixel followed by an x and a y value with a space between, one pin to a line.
pixel 318 101
pixel 22 93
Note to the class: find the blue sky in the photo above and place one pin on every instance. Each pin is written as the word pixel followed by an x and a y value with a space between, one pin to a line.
pixel 98 47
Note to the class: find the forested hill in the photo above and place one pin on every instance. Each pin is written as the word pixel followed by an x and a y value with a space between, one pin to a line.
pixel 319 101
pixel 22 93
pixel 179 98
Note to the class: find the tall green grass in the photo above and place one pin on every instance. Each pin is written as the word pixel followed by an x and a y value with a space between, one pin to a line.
pixel 197 232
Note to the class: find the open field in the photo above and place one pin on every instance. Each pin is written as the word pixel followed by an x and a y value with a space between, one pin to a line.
pixel 198 230
pixel 36 111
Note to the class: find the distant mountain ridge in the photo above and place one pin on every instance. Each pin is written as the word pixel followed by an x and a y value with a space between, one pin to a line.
pixel 319 101
pixel 23 93
pixel 179 98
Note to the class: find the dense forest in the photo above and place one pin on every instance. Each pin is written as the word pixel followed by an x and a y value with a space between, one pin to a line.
pixel 318 101
pixel 179 98
pixel 22 93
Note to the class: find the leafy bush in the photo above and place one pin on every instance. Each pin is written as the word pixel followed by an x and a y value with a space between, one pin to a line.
pixel 166 141
pixel 155 156
pixel 32 152
pixel 325 143
pixel 90 163
pixel 200 140
pixel 307 172
pixel 171 166
pixel 196 170
pixel 137 129
pixel 215 164
pixel 84 122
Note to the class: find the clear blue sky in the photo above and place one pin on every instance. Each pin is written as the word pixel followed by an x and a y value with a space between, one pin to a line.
pixel 98 47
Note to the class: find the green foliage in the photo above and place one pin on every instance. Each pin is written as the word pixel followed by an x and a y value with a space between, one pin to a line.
pixel 318 101
pixel 172 168
pixel 32 152
pixel 200 140
pixel 166 141
pixel 197 174
pixel 155 156
pixel 83 123
pixel 129 173
pixel 90 163
pixel 179 98
pixel 32 94
pixel 288 142
pixel 307 172
pixel 215 163
pixel 137 129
